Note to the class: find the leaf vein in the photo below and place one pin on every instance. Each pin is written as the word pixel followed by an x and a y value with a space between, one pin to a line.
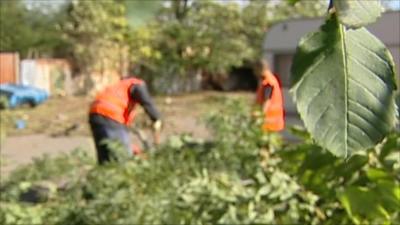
pixel 346 86
pixel 351 139
pixel 333 137
pixel 309 70
pixel 369 69
pixel 310 101
pixel 326 131
pixel 370 51
pixel 369 111
pixel 320 115
pixel 367 90
pixel 361 130
pixel 368 123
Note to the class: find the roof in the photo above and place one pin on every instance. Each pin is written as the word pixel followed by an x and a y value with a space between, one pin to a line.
pixel 284 36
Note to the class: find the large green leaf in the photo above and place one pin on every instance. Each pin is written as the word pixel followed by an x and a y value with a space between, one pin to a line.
pixel 343 85
pixel 357 13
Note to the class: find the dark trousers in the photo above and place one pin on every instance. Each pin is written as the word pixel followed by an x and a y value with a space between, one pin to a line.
pixel 105 129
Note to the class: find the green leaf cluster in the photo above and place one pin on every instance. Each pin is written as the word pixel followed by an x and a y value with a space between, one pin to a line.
pixel 97 32
pixel 366 185
pixel 31 32
pixel 172 47
pixel 242 176
pixel 209 38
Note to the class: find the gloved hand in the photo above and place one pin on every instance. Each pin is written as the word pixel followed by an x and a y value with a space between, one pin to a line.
pixel 157 125
pixel 256 113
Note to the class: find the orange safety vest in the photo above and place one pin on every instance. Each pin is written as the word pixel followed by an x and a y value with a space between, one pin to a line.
pixel 116 103
pixel 274 119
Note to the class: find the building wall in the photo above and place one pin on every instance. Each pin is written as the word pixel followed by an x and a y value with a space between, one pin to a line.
pixel 282 67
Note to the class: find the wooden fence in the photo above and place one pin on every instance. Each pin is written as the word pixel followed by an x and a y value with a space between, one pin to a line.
pixel 9 68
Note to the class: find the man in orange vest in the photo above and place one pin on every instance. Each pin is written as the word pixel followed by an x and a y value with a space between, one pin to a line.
pixel 270 97
pixel 113 110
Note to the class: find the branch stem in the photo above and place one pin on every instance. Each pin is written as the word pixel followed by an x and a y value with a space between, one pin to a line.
pixel 330 5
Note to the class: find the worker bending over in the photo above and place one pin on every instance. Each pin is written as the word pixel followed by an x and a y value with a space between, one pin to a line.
pixel 113 110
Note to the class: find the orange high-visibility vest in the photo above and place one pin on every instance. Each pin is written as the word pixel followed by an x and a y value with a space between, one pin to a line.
pixel 116 103
pixel 273 108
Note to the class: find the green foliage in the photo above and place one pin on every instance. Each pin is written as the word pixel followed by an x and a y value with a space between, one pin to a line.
pixel 139 12
pixel 166 44
pixel 293 2
pixel 3 102
pixel 30 32
pixel 172 52
pixel 13 213
pixel 172 47
pixel 208 38
pixel 176 184
pixel 97 32
pixel 366 184
pixel 118 150
pixel 355 199
pixel 242 176
pixel 284 10
pixel 256 17
pixel 46 168
pixel 223 52
pixel 3 126
pixel 358 13
pixel 346 76
pixel 12 41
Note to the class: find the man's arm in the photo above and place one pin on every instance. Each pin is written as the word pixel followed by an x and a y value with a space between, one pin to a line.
pixel 262 97
pixel 267 92
pixel 263 94
pixel 141 94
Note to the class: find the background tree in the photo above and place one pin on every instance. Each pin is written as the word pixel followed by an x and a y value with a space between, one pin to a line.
pixel 207 40
pixel 209 37
pixel 180 39
pixel 139 13
pixel 97 32
pixel 31 32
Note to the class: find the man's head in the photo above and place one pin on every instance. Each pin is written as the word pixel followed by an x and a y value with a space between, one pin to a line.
pixel 127 76
pixel 261 66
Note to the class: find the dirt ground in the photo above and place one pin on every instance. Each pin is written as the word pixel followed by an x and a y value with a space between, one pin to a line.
pixel 60 124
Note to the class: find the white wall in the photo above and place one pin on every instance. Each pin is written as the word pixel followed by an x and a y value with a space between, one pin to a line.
pixel 34 75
